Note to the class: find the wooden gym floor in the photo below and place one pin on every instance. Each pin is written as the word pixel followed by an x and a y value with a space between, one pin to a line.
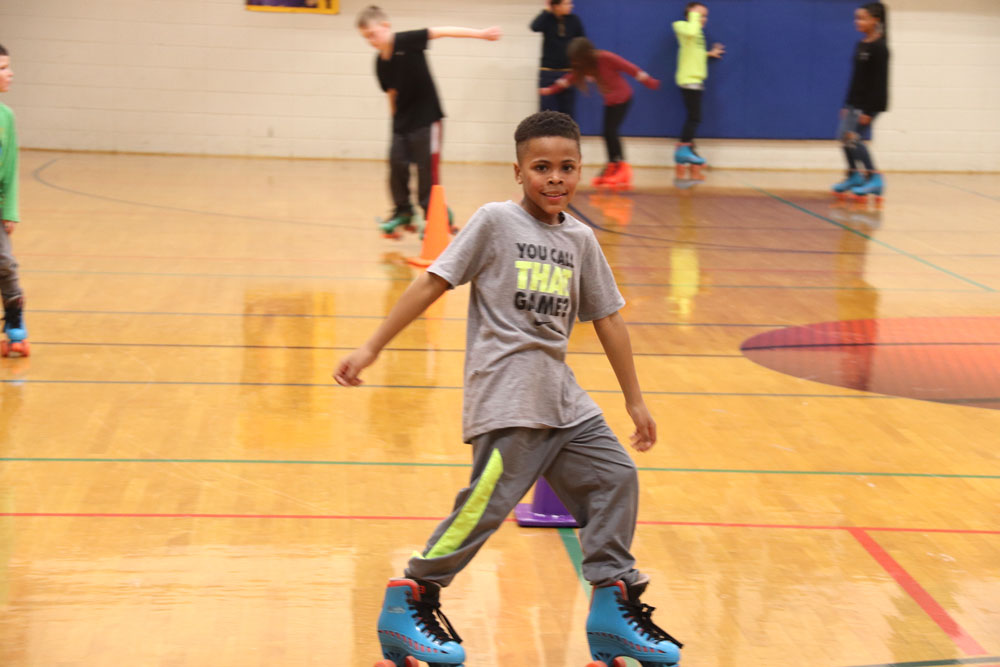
pixel 181 483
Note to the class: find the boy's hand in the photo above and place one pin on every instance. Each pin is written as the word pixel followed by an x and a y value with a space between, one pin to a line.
pixel 651 83
pixel 645 428
pixel 493 33
pixel 346 373
pixel 718 50
pixel 8 226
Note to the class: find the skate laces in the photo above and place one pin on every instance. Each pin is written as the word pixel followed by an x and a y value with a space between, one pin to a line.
pixel 429 613
pixel 640 615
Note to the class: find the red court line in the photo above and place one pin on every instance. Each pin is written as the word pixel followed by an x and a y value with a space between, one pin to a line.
pixel 958 635
pixel 375 517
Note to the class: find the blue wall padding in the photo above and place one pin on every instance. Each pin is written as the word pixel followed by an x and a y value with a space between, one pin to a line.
pixel 784 75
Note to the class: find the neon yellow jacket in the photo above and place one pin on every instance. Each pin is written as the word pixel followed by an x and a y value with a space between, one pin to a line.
pixel 692 58
pixel 8 166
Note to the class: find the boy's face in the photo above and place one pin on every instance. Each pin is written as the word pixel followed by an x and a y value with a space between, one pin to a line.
pixel 563 8
pixel 863 21
pixel 703 10
pixel 6 74
pixel 549 170
pixel 377 34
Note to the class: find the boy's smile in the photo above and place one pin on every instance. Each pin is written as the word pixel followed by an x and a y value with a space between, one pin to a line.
pixel 549 171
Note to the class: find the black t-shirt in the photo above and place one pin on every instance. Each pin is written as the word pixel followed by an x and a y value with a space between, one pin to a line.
pixel 559 31
pixel 406 72
pixel 869 89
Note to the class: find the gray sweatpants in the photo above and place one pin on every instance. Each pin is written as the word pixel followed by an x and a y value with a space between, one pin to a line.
pixel 587 468
pixel 10 288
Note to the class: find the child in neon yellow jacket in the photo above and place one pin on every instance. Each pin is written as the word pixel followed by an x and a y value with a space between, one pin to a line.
pixel 692 70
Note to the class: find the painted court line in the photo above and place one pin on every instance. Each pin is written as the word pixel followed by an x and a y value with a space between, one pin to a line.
pixel 193 383
pixel 420 464
pixel 993 661
pixel 872 239
pixel 392 517
pixel 962 639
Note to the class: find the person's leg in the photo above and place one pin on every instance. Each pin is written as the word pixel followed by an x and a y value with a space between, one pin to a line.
pixel 399 175
pixel 692 106
pixel 546 78
pixel 419 145
pixel 10 287
pixel 596 480
pixel 614 115
pixel 505 465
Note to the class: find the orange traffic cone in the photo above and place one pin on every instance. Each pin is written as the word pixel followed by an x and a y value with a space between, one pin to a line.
pixel 436 236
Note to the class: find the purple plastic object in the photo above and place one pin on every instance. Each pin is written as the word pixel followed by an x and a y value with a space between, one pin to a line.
pixel 545 510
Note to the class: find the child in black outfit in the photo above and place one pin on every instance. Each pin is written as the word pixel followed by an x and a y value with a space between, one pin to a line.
pixel 416 111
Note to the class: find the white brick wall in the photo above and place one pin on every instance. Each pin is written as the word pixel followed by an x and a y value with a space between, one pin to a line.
pixel 208 77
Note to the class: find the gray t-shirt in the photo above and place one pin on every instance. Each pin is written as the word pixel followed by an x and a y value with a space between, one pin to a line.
pixel 530 282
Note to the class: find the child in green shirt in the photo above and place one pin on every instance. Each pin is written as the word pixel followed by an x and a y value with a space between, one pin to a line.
pixel 10 288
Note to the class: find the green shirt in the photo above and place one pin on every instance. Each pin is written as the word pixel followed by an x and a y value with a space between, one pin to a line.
pixel 8 165
pixel 692 58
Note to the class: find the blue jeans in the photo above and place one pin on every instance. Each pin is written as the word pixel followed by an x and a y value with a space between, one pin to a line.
pixel 851 134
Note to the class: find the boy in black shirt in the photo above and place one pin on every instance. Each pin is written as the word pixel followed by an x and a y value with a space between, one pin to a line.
pixel 867 96
pixel 559 26
pixel 416 111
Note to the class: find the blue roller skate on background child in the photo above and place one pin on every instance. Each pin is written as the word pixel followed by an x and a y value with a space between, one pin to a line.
pixel 16 341
pixel 854 179
pixel 619 626
pixel 409 627
pixel 689 163
pixel 873 186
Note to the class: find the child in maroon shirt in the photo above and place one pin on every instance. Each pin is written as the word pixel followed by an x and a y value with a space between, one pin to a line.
pixel 605 68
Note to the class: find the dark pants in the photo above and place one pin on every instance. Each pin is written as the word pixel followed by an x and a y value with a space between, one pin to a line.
pixel 852 135
pixel 10 288
pixel 692 102
pixel 564 101
pixel 613 117
pixel 414 147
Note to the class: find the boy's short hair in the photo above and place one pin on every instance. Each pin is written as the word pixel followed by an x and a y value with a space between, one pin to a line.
pixel 545 124
pixel 371 14
pixel 3 51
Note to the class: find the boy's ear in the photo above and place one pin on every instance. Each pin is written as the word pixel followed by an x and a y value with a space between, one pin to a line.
pixel 517 174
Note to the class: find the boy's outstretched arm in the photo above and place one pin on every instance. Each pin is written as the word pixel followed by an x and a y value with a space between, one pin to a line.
pixel 421 293
pixel 492 33
pixel 618 348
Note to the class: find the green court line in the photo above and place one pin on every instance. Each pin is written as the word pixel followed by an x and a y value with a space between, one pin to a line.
pixel 935 663
pixel 870 238
pixel 420 464
pixel 382 279
pixel 575 553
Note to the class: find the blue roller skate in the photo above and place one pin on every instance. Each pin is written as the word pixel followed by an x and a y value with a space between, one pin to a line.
pixel 13 327
pixel 390 228
pixel 689 163
pixel 853 180
pixel 619 627
pixel 409 628
pixel 873 186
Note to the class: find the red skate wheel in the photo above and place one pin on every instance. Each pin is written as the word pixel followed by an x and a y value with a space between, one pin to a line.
pixel 619 662
pixel 596 663
pixel 385 663
pixel 412 662
pixel 22 348
pixel 4 348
